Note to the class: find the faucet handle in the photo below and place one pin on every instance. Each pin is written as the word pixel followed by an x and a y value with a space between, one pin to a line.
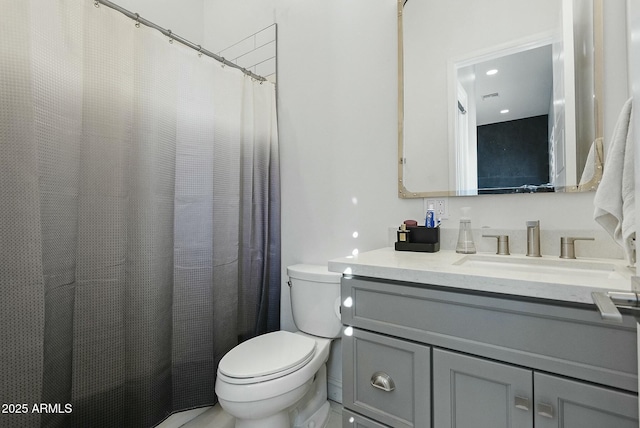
pixel 567 246
pixel 503 244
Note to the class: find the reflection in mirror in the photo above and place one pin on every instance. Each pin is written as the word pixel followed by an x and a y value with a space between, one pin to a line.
pixel 443 129
pixel 504 113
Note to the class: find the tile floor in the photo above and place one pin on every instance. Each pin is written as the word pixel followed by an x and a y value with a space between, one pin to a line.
pixel 335 417
pixel 215 417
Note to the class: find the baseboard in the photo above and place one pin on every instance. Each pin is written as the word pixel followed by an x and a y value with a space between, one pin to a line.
pixel 334 389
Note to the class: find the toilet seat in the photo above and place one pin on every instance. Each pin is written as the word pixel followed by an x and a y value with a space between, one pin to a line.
pixel 266 357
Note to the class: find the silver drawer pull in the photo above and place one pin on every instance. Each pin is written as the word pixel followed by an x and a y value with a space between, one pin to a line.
pixel 382 381
pixel 545 410
pixel 522 403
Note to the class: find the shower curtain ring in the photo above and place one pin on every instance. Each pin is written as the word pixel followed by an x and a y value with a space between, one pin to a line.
pixel 170 36
pixel 96 3
pixel 137 20
pixel 200 51
pixel 222 62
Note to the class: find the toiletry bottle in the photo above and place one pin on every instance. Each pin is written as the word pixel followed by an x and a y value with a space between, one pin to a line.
pixel 465 238
pixel 403 233
pixel 430 220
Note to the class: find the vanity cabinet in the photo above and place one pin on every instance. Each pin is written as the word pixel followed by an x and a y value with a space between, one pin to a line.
pixel 389 379
pixel 464 359
pixel 474 392
pixel 568 403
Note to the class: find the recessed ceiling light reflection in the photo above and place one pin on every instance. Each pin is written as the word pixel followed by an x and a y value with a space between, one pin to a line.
pixel 355 252
pixel 354 200
pixel 355 234
pixel 348 302
pixel 348 331
pixel 505 111
pixel 492 72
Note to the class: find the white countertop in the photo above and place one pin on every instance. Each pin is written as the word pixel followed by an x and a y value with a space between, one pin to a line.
pixel 513 275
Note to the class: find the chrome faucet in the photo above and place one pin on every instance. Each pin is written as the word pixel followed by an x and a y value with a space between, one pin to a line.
pixel 533 238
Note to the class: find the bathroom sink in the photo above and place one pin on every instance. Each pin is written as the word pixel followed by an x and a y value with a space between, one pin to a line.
pixel 544 266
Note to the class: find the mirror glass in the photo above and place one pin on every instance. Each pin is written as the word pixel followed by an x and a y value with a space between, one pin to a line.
pixel 502 124
pixel 489 90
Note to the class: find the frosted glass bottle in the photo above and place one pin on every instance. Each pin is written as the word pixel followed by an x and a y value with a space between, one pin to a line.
pixel 465 238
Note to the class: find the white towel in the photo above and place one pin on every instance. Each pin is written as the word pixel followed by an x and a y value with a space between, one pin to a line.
pixel 615 197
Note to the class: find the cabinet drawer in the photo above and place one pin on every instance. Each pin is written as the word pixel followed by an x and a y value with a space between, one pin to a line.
pixel 354 420
pixel 387 379
pixel 569 340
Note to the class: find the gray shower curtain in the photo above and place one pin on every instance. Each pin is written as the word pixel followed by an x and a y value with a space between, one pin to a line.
pixel 139 218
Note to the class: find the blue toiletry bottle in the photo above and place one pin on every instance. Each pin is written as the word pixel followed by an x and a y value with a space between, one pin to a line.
pixel 430 221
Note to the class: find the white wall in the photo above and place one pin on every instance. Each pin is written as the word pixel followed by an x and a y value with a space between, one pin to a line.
pixel 337 111
pixel 337 117
pixel 227 21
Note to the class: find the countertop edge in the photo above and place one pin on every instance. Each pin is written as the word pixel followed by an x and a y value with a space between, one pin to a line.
pixel 364 265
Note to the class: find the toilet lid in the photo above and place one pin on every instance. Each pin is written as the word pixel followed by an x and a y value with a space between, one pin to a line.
pixel 272 355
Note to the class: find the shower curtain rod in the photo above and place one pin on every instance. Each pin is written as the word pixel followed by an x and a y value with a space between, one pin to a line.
pixel 138 19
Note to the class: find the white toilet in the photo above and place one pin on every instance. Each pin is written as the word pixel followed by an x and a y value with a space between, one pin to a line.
pixel 279 379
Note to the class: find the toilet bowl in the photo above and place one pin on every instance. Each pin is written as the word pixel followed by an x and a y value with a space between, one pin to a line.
pixel 278 380
pixel 264 400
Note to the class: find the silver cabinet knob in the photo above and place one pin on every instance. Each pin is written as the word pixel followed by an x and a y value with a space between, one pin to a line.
pixel 382 381
pixel 545 410
pixel 568 248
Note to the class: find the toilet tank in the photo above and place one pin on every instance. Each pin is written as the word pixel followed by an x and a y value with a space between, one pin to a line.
pixel 315 299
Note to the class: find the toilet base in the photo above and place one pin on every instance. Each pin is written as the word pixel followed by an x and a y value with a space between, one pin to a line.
pixel 283 420
pixel 313 410
pixel 279 420
pixel 318 419
pixel 272 413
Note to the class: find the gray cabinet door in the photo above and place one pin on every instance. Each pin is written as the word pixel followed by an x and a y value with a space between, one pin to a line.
pixel 354 420
pixel 470 392
pixel 564 403
pixel 387 380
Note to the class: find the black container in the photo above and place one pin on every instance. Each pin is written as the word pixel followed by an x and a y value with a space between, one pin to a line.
pixel 421 239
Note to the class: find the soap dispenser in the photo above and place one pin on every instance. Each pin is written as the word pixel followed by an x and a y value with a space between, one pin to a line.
pixel 465 238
